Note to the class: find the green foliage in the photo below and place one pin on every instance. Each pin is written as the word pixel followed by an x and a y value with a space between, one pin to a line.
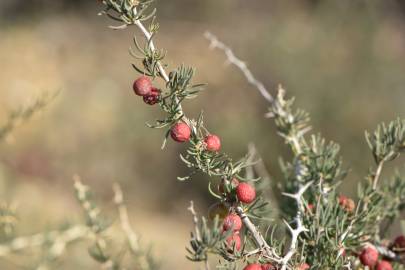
pixel 388 141
pixel 207 239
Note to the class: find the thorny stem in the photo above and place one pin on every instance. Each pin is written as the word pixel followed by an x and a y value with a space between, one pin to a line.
pixel 215 43
pixel 257 236
pixel 295 233
pixel 378 174
pixel 293 140
pixel 251 227
pixel 148 37
pixel 295 143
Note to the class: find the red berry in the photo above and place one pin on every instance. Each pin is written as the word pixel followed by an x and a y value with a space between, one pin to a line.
pixel 369 256
pixel 212 143
pixel 311 207
pixel 153 97
pixel 399 243
pixel 180 132
pixel 232 221
pixel 142 86
pixel 234 241
pixel 342 200
pixel 253 266
pixel 245 193
pixel 384 265
pixel 267 266
pixel 342 251
pixel 304 266
pixel 234 183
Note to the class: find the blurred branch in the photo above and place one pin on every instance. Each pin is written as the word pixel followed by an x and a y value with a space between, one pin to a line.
pixel 25 113
pixel 133 239
pixel 58 238
pixel 233 59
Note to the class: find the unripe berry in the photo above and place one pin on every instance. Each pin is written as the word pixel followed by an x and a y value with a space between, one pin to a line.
pixel 347 203
pixel 217 209
pixel 142 86
pixel 212 143
pixel 267 266
pixel 253 266
pixel 153 97
pixel 304 266
pixel 245 193
pixel 232 221
pixel 384 265
pixel 399 243
pixel 234 241
pixel 234 183
pixel 369 256
pixel 350 205
pixel 180 132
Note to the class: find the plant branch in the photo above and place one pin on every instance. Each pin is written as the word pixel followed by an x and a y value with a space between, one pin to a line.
pixel 295 233
pixel 233 59
pixel 132 237
pixel 58 238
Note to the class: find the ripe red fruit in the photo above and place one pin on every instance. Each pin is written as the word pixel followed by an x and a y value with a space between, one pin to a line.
pixel 232 221
pixel 234 183
pixel 234 241
pixel 245 193
pixel 212 143
pixel 304 266
pixel 180 132
pixel 153 97
pixel 384 265
pixel 369 256
pixel 142 86
pixel 267 266
pixel 342 200
pixel 399 243
pixel 253 266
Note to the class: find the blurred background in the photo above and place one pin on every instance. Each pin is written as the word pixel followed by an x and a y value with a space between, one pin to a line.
pixel 344 61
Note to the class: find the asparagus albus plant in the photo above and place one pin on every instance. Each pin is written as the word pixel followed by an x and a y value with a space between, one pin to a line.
pixel 323 229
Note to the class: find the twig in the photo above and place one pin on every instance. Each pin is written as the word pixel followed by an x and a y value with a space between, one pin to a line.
pixel 197 230
pixel 378 174
pixel 257 236
pixel 299 226
pixel 293 140
pixel 59 239
pixel 195 220
pixel 231 58
pixel 133 238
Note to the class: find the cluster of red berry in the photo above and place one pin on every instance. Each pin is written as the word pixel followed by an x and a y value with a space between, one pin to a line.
pixel 245 193
pixel 143 87
pixel 370 256
pixel 180 132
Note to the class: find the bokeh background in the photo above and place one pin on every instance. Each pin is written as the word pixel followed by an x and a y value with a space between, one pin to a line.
pixel 343 60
